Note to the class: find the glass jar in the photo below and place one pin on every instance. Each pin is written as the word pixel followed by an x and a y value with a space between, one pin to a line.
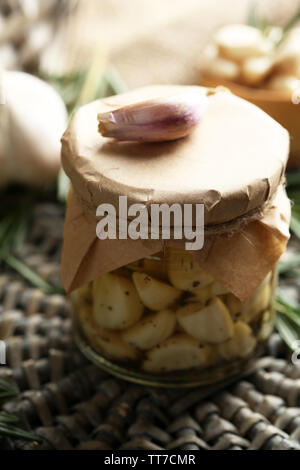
pixel 167 319
pixel 163 321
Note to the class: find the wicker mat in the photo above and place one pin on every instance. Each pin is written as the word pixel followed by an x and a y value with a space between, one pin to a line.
pixel 74 405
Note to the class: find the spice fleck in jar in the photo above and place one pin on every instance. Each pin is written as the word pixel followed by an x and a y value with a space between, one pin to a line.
pixel 149 310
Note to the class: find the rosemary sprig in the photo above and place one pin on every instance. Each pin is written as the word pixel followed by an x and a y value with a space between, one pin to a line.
pixel 290 267
pixel 32 276
pixel 252 15
pixel 88 86
pixel 293 22
pixel 287 320
pixel 293 179
pixel 287 331
pixel 265 26
pixel 288 314
pixel 285 307
pixel 295 222
pixel 14 223
pixel 114 81
pixel 293 189
pixel 7 391
pixel 63 186
pixel 257 21
pixel 8 422
pixel 68 86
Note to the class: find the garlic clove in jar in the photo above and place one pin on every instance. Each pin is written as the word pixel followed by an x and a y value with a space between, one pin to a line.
pixel 217 288
pixel 259 302
pixel 201 295
pixel 85 317
pixel 234 305
pixel 154 294
pixel 267 326
pixel 32 121
pixel 185 272
pixel 240 345
pixel 116 302
pixel 108 342
pixel 151 330
pixel 180 352
pixel 238 42
pixel 152 266
pixel 211 324
pixel 111 344
pixel 85 293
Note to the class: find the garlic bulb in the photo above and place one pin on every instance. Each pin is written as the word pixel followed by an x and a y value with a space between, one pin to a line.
pixel 33 118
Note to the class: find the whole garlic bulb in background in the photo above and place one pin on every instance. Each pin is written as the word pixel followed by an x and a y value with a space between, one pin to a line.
pixel 33 118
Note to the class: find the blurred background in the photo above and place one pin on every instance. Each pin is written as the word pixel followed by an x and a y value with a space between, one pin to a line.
pixel 157 41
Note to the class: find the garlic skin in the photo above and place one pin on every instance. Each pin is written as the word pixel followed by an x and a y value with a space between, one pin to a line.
pixel 33 118
pixel 155 120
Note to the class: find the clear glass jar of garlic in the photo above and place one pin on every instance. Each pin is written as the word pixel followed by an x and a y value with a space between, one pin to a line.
pixel 163 321
pixel 146 309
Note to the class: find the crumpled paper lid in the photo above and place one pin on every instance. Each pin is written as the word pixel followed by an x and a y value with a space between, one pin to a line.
pixel 232 163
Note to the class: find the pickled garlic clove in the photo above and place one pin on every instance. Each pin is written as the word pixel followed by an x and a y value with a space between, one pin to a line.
pixel 259 302
pixel 211 323
pixel 154 267
pixel 116 302
pixel 203 294
pixel 154 294
pixel 151 330
pixel 240 345
pixel 185 272
pixel 112 345
pixel 180 352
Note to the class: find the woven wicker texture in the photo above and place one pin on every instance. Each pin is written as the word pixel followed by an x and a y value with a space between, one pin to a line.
pixel 74 405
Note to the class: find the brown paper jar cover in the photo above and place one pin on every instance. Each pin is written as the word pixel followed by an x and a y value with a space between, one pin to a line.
pixel 278 104
pixel 233 163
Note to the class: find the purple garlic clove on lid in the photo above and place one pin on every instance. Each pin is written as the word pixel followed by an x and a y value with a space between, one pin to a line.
pixel 155 120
